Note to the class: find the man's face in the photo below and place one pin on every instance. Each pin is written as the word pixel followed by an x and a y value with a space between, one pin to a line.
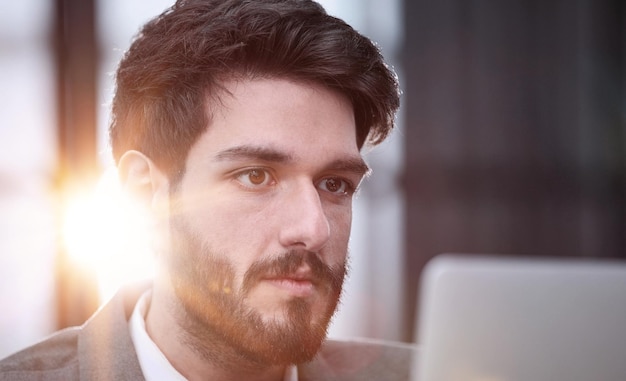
pixel 259 223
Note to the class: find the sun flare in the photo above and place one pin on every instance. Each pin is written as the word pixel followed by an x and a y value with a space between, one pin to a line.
pixel 104 233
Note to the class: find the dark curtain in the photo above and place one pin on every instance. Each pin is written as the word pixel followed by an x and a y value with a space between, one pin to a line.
pixel 515 132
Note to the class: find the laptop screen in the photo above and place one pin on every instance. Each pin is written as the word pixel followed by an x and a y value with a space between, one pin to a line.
pixel 520 319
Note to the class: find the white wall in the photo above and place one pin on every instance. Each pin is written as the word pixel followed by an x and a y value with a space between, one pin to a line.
pixel 27 226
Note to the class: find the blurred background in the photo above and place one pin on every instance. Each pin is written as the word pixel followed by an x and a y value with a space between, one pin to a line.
pixel 511 140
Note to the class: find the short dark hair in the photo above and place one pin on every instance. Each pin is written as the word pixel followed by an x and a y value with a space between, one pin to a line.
pixel 185 55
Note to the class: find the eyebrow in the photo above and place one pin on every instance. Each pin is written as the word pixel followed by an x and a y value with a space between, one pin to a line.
pixel 354 165
pixel 254 153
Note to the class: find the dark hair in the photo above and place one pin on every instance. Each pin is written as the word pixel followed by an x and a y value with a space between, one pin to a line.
pixel 185 54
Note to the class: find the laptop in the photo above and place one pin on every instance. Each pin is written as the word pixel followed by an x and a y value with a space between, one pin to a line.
pixel 522 319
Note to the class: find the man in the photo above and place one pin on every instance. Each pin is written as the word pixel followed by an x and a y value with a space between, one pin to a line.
pixel 238 125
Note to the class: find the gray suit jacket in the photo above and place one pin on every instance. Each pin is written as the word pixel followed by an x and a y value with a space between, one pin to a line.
pixel 102 349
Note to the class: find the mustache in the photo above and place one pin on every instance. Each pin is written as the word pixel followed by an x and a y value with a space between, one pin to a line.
pixel 287 264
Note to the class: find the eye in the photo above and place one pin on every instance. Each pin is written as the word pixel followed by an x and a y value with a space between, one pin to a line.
pixel 255 177
pixel 336 185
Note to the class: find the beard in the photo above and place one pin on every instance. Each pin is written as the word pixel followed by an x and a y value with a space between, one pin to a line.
pixel 217 319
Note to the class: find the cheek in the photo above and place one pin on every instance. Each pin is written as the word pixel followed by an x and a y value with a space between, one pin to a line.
pixel 221 215
pixel 340 217
pixel 234 228
pixel 340 222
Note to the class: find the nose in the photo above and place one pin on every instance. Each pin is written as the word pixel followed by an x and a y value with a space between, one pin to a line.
pixel 304 223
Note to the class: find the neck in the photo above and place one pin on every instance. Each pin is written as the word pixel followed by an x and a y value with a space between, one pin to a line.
pixel 197 358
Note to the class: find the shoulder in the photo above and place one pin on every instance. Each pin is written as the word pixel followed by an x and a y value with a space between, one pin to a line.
pixel 361 359
pixel 100 349
pixel 52 359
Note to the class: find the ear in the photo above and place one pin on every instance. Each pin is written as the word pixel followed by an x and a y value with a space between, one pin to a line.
pixel 141 179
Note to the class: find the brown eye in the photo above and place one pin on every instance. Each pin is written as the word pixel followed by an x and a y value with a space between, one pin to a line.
pixel 257 176
pixel 333 185
pixel 336 185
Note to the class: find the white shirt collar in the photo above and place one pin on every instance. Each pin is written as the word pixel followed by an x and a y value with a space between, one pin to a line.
pixel 152 361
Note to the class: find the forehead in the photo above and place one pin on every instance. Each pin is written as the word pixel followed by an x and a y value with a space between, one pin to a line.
pixel 299 119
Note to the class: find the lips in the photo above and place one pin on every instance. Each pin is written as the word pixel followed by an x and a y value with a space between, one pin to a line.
pixel 301 283
pixel 297 273
pixel 296 288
